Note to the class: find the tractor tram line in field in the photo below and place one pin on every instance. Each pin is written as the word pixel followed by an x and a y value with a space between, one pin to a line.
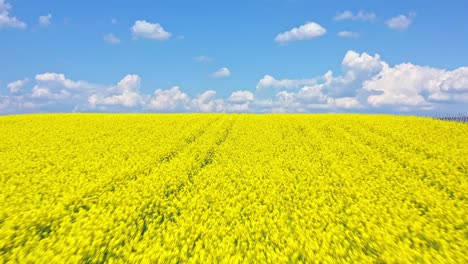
pixel 232 188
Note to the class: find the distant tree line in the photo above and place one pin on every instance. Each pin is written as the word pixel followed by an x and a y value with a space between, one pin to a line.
pixel 452 117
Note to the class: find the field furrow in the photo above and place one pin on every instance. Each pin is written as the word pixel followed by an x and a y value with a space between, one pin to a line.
pixel 203 188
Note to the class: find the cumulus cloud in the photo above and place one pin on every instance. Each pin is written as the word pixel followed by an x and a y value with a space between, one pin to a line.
pixel 310 94
pixel 455 81
pixel 400 22
pixel 307 31
pixel 241 97
pixel 57 90
pixel 412 85
pixel 15 87
pixel 206 102
pixel 269 81
pixel 44 93
pixel 45 20
pixel 312 98
pixel 127 99
pixel 221 73
pixel 144 29
pixel 175 100
pixel 356 69
pixel 361 15
pixel 348 34
pixel 345 103
pixel 362 63
pixel 285 97
pixel 130 82
pixel 366 83
pixel 124 94
pixel 58 79
pixel 169 100
pixel 245 107
pixel 111 39
pixel 7 20
pixel 15 104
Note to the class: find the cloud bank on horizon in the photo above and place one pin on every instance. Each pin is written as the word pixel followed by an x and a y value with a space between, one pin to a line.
pixel 209 75
pixel 367 83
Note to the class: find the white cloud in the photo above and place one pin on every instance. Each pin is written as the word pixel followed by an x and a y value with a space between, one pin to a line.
pixel 348 34
pixel 221 73
pixel 241 97
pixel 238 107
pixel 400 22
pixel 312 98
pixel 455 81
pixel 443 97
pixel 58 79
pixel 111 38
pixel 45 20
pixel 15 87
pixel 14 104
pixel 362 63
pixel 307 31
pixel 40 92
pixel 206 102
pixel 144 29
pixel 361 15
pixel 311 94
pixel 291 102
pixel 169 100
pixel 46 93
pixel 203 58
pixel 367 83
pixel 130 82
pixel 285 97
pixel 7 20
pixel 127 99
pixel 55 92
pixel 126 94
pixel 408 84
pixel 206 96
pixel 269 81
pixel 174 100
pixel 345 103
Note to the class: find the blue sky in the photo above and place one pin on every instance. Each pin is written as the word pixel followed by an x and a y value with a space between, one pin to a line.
pixel 234 56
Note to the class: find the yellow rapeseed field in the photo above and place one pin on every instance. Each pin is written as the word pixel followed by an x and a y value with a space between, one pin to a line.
pixel 232 188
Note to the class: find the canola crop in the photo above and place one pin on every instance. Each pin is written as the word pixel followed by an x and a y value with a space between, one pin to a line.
pixel 232 188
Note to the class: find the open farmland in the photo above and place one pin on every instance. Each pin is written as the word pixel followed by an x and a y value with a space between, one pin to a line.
pixel 198 188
